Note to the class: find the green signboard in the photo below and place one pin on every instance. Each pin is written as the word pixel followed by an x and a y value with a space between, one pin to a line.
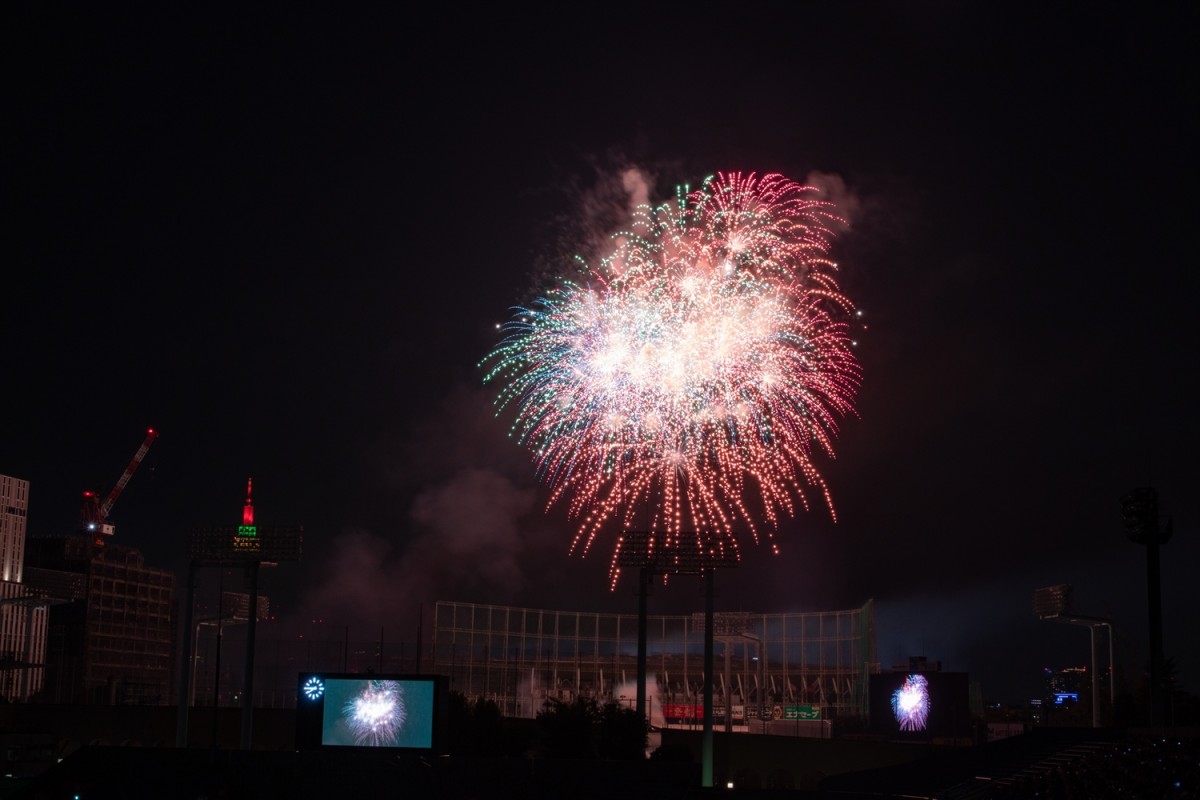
pixel 801 712
pixel 782 712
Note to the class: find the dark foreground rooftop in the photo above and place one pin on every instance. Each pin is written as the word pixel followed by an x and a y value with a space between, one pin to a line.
pixel 1067 763
pixel 104 773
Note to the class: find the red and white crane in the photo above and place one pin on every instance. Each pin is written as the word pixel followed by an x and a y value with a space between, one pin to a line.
pixel 94 515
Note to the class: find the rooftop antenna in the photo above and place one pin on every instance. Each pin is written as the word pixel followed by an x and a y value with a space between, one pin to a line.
pixel 248 509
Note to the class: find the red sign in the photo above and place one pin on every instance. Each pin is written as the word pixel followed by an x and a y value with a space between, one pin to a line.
pixel 674 711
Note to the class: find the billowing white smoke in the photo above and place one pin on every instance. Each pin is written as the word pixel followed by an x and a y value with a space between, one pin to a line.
pixel 626 694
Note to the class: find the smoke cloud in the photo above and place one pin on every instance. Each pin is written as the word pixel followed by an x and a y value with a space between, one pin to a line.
pixel 604 208
pixel 833 189
pixel 473 519
pixel 464 541
pixel 636 186
pixel 466 521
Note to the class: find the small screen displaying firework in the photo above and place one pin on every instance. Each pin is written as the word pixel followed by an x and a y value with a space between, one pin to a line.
pixel 383 711
pixel 920 705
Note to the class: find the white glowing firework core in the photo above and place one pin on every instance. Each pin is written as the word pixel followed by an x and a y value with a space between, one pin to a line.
pixel 376 715
pixel 373 710
pixel 910 703
pixel 714 345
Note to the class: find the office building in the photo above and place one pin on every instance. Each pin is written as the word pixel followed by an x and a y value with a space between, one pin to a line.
pixel 112 641
pixel 22 611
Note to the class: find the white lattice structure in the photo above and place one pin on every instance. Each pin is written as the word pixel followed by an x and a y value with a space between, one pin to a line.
pixel 766 664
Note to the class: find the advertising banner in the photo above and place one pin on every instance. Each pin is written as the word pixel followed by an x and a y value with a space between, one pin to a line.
pixel 682 712
pixel 688 713
pixel 790 712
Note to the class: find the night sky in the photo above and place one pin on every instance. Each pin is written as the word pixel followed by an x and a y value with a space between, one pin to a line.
pixel 284 238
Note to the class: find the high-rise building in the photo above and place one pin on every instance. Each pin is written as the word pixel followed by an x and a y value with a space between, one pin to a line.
pixel 1066 686
pixel 22 611
pixel 1066 698
pixel 112 641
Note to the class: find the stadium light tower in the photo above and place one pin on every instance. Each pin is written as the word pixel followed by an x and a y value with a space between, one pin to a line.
pixel 247 546
pixel 1053 603
pixel 1139 511
pixel 685 553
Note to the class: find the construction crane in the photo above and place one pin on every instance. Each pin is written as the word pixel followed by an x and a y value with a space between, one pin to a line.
pixel 94 515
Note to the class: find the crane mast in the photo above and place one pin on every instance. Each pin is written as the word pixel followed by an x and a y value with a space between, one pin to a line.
pixel 95 511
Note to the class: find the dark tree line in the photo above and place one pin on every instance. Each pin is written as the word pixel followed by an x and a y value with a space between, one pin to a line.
pixel 581 728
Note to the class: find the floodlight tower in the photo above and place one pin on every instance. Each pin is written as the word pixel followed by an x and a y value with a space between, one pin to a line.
pixel 1139 510
pixel 1054 604
pixel 249 547
pixel 681 553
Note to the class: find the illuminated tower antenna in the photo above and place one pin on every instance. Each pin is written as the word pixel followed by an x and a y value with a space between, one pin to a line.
pixel 248 509
pixel 246 540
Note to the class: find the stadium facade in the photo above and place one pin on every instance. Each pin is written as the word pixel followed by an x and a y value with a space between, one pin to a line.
pixel 770 667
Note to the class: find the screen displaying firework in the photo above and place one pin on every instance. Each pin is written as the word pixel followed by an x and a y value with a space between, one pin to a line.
pixel 692 379
pixel 910 703
pixel 377 713
pixel 920 706
pixel 384 711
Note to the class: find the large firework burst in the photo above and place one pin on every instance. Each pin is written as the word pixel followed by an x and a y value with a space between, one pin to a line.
pixel 376 714
pixel 688 381
pixel 910 703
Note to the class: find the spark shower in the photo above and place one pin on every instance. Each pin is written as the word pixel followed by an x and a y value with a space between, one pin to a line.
pixel 689 380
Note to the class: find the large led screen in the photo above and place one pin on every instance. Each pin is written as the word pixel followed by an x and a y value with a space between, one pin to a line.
pixel 378 711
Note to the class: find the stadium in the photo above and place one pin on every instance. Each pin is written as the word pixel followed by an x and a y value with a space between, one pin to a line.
pixel 780 673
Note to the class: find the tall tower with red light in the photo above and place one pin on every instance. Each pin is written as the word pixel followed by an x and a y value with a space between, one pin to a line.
pixel 247 534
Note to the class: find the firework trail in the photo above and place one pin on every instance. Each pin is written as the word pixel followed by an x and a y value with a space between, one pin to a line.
pixel 687 382
pixel 375 716
pixel 910 703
